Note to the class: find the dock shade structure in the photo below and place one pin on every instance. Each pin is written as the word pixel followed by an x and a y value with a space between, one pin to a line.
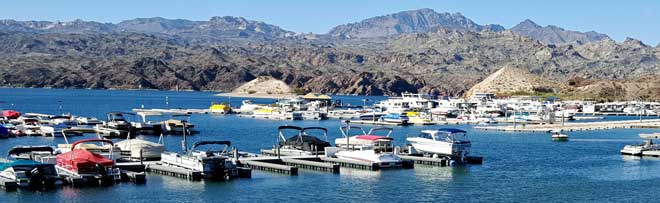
pixel 11 114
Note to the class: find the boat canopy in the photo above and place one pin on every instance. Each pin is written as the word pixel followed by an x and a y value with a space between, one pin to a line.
pixel 451 130
pixel 200 143
pixel 24 149
pixel 73 146
pixel 11 114
pixel 291 127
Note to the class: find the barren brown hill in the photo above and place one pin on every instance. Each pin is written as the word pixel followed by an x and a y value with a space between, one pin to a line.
pixel 512 80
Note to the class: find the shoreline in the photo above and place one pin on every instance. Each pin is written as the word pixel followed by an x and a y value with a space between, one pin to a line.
pixel 257 95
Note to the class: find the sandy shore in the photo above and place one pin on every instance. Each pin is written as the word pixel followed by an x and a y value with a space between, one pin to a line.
pixel 261 96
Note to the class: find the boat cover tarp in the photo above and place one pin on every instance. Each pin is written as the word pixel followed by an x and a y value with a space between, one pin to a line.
pixel 305 142
pixel 11 114
pixel 82 160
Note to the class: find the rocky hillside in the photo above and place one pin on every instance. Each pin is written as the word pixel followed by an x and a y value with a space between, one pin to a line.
pixel 159 54
pixel 414 21
pixel 555 35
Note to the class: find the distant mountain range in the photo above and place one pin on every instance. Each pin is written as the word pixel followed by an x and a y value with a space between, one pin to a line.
pixel 410 51
pixel 415 21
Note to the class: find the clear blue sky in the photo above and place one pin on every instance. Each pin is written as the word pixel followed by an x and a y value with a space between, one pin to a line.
pixel 619 19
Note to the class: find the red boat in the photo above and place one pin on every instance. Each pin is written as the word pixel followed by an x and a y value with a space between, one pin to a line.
pixel 81 162
pixel 11 114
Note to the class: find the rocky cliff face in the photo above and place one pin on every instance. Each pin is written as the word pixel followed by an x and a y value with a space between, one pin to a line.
pixel 422 20
pixel 555 35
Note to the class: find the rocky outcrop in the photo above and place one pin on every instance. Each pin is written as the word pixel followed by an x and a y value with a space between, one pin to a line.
pixel 513 80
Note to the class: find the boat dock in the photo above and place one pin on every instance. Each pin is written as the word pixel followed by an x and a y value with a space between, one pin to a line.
pixel 601 125
pixel 375 122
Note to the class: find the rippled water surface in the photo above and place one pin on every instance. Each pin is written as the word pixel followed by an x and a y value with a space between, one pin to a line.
pixel 518 167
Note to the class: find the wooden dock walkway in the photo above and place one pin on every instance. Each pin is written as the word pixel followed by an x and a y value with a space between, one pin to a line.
pixel 600 125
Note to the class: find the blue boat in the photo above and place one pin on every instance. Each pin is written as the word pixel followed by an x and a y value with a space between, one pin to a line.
pixel 29 173
pixel 395 118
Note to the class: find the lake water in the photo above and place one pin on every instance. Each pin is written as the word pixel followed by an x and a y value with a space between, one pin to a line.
pixel 518 167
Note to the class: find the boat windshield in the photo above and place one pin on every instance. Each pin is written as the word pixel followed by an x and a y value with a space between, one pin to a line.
pixel 456 137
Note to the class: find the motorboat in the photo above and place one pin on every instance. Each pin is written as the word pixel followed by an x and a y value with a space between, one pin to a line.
pixel 303 142
pixel 108 151
pixel 11 114
pixel 88 121
pixel 117 120
pixel 397 118
pixel 29 127
pixel 220 108
pixel 450 142
pixel 366 147
pixel 147 126
pixel 219 165
pixel 248 107
pixel 648 147
pixel 371 115
pixel 178 126
pixel 55 130
pixel 558 136
pixel 27 172
pixel 141 149
pixel 418 118
pixel 363 138
pixel 81 162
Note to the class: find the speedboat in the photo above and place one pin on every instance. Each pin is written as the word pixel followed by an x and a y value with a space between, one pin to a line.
pixel 371 115
pixel 303 142
pixel 27 172
pixel 648 147
pixel 558 136
pixel 81 162
pixel 442 142
pixel 398 118
pixel 55 130
pixel 418 118
pixel 220 108
pixel 141 149
pixel 366 147
pixel 212 164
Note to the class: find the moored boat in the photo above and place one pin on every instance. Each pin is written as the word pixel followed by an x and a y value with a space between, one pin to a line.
pixel 450 142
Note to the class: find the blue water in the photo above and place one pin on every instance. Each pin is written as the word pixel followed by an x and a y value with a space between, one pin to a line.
pixel 518 167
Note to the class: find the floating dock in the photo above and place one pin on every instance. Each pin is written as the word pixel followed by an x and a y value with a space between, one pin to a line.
pixel 376 122
pixel 601 125
pixel 174 171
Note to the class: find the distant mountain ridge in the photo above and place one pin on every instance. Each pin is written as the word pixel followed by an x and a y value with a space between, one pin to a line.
pixel 413 21
pixel 225 26
pixel 555 35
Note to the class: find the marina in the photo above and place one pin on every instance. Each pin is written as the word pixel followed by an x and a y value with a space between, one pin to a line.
pixel 259 162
